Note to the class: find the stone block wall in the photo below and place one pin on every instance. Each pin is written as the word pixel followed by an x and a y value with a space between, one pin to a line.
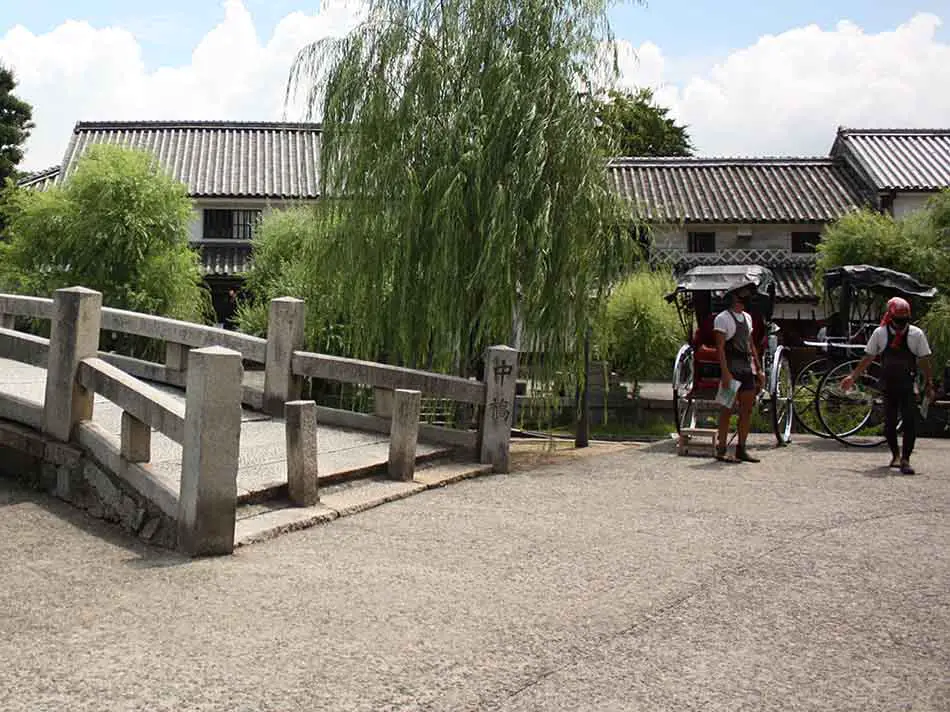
pixel 66 473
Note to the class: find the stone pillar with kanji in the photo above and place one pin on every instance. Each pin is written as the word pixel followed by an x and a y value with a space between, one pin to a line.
pixel 501 374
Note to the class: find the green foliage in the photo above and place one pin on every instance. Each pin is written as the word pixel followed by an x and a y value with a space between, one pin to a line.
pixel 635 125
pixel 936 324
pixel 640 333
pixel 917 244
pixel 15 125
pixel 287 245
pixel 474 188
pixel 118 225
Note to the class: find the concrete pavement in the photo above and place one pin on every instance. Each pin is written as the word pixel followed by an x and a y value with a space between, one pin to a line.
pixel 635 580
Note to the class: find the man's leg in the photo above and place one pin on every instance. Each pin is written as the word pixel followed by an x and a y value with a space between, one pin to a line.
pixel 909 414
pixel 891 416
pixel 725 415
pixel 746 404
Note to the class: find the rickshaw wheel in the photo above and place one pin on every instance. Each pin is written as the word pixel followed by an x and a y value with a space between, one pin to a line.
pixel 805 394
pixel 781 390
pixel 854 418
pixel 683 407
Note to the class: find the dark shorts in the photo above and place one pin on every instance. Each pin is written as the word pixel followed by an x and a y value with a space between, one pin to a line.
pixel 746 380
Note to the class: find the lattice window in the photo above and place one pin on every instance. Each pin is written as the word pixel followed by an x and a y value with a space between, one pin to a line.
pixel 704 242
pixel 230 224
pixel 805 242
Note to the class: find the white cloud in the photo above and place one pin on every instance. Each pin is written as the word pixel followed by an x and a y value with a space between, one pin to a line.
pixel 79 72
pixel 786 94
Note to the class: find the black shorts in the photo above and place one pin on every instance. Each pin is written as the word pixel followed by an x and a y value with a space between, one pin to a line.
pixel 746 380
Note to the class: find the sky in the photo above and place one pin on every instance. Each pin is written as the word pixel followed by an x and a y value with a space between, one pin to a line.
pixel 748 77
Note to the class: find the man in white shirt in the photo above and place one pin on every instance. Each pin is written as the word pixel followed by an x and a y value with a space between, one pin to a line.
pixel 902 348
pixel 738 360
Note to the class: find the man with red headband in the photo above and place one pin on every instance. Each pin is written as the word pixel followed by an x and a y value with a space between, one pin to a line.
pixel 902 347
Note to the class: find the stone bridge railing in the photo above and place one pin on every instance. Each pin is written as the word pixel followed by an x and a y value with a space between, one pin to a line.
pixel 208 363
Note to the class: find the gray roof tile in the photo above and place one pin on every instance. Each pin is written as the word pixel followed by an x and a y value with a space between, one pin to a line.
pixel 737 190
pixel 217 159
pixel 40 180
pixel 898 159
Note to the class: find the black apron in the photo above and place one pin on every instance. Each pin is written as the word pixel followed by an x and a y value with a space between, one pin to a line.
pixel 738 351
pixel 898 364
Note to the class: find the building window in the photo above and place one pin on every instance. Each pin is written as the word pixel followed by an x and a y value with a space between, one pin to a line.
pixel 805 242
pixel 230 224
pixel 702 242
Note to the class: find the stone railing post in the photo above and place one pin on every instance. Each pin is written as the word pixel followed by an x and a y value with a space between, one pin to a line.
pixel 207 502
pixel 284 336
pixel 501 375
pixel 300 422
pixel 383 403
pixel 404 434
pixel 136 439
pixel 176 361
pixel 77 316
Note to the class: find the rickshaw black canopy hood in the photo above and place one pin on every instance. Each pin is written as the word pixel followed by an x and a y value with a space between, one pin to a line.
pixel 726 278
pixel 877 279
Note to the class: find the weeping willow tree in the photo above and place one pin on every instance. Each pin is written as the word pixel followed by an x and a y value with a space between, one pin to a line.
pixel 474 201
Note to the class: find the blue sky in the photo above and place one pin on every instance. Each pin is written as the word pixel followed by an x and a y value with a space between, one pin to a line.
pixel 168 31
pixel 748 78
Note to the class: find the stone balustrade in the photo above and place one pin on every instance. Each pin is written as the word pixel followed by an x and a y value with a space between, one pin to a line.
pixel 207 362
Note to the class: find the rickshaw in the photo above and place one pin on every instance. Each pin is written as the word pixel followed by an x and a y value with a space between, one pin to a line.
pixel 700 294
pixel 856 296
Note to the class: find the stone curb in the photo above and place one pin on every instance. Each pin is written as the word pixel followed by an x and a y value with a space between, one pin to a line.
pixel 357 498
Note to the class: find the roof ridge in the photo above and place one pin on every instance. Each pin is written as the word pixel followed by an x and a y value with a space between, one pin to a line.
pixel 721 160
pixel 196 124
pixel 844 130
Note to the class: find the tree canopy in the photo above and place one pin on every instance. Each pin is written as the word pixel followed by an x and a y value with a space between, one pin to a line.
pixel 917 244
pixel 15 124
pixel 471 184
pixel 118 225
pixel 640 332
pixel 635 125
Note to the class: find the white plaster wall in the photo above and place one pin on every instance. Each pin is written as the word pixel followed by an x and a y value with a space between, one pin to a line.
pixel 906 203
pixel 764 236
pixel 196 226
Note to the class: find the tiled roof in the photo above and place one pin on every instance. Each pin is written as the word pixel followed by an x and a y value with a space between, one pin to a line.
pixel 794 284
pixel 40 180
pixel 736 190
pixel 218 159
pixel 225 260
pixel 898 159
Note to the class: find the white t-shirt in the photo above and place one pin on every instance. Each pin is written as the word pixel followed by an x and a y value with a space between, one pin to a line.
pixel 916 342
pixel 726 323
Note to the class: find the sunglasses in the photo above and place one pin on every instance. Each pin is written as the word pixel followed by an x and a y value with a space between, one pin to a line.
pixel 900 320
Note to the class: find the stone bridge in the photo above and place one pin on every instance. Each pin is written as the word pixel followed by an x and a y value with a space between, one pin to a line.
pixel 214 447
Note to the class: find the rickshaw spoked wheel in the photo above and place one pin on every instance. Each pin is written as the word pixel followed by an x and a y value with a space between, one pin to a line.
pixel 683 407
pixel 805 394
pixel 781 391
pixel 856 417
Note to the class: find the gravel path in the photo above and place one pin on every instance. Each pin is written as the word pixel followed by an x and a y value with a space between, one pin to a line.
pixel 632 580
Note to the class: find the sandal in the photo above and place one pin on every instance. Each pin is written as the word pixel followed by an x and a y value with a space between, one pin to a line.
pixel 723 456
pixel 743 456
pixel 906 469
pixel 895 461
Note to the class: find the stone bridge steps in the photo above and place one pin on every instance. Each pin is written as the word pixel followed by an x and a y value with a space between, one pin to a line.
pixel 260 521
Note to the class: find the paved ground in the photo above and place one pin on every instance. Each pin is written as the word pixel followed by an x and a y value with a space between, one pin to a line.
pixel 263 462
pixel 629 581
